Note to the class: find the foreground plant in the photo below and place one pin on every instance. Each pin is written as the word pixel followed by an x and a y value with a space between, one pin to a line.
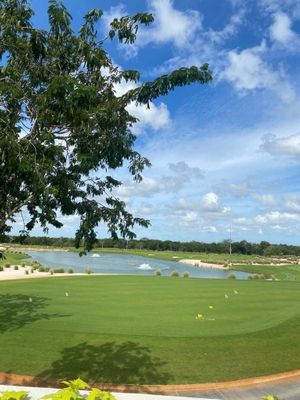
pixel 71 392
pixel 61 119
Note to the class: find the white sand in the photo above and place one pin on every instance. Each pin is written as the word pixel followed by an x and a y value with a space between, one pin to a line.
pixel 200 264
pixel 11 273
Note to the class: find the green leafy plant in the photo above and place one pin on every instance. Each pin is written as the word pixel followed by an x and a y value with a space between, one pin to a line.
pixel 12 395
pixel 269 397
pixel 175 274
pixel 88 271
pixel 72 392
pixel 158 272
pixel 186 274
pixel 70 271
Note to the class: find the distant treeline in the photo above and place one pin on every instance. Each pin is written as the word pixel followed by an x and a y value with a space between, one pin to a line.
pixel 243 247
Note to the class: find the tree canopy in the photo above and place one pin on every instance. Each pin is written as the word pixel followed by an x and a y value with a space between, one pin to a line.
pixel 63 129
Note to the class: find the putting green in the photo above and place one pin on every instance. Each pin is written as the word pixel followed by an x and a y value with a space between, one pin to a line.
pixel 130 329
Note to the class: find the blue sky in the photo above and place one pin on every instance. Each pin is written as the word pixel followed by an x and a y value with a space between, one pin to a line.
pixel 226 154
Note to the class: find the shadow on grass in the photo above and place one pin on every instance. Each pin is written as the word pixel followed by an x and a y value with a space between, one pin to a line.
pixel 118 363
pixel 16 311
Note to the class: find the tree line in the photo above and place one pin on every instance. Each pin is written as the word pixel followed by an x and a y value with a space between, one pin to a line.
pixel 263 248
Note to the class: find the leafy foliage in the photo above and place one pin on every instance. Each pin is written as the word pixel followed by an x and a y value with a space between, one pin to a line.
pixel 63 129
pixel 71 392
pixel 12 395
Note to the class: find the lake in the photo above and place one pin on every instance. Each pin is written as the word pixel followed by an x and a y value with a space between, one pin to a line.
pixel 106 263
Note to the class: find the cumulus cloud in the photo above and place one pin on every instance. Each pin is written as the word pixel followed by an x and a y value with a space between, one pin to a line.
pixel 181 175
pixel 266 199
pixel 281 29
pixel 276 217
pixel 211 202
pixel 282 146
pixel 182 168
pixel 171 25
pixel 156 116
pixel 246 71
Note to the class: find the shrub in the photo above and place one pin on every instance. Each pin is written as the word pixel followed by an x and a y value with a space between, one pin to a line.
pixel 1 268
pixel 186 274
pixel 88 271
pixel 59 270
pixel 231 276
pixel 7 265
pixel 16 267
pixel 32 270
pixel 23 265
pixel 158 272
pixel 70 271
pixel 26 272
pixel 42 269
pixel 175 273
pixel 51 272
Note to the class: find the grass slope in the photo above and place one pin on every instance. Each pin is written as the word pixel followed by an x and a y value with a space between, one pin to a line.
pixel 13 259
pixel 143 329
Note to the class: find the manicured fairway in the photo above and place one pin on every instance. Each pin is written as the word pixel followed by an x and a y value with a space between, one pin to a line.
pixel 130 329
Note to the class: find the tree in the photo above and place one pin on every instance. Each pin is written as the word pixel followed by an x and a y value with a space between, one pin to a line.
pixel 63 130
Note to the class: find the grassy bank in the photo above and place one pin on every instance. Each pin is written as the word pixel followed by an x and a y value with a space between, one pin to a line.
pixel 13 259
pixel 144 329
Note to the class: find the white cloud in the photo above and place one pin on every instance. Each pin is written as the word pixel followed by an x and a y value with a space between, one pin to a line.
pixel 277 217
pixel 283 146
pixel 182 168
pixel 247 71
pixel 280 30
pixel 209 228
pixel 146 188
pixel 156 116
pixel 171 25
pixel 266 199
pixel 210 202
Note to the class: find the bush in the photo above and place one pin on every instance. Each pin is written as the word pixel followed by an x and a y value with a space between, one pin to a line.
pixel 186 274
pixel 231 276
pixel 32 270
pixel 26 272
pixel 175 273
pixel 88 271
pixel 70 271
pixel 7 265
pixel 51 272
pixel 59 270
pixel 23 265
pixel 158 272
pixel 42 269
pixel 1 268
pixel 16 267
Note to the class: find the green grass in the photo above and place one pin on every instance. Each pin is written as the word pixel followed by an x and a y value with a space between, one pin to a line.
pixel 136 329
pixel 282 272
pixel 13 258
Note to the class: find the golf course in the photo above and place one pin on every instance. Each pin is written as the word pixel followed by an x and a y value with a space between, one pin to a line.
pixel 148 330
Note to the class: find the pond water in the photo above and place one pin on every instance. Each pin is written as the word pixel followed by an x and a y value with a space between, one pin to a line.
pixel 125 264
